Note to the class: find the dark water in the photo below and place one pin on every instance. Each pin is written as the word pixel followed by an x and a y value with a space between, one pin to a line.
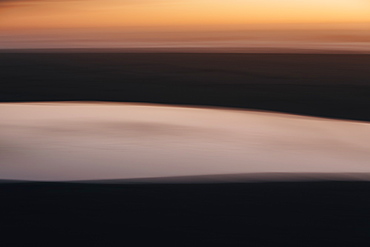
pixel 239 214
pixel 328 85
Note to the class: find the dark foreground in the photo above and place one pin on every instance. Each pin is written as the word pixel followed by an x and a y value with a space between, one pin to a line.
pixel 326 85
pixel 238 214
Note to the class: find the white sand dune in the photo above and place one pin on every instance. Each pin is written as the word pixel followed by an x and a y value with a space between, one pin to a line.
pixel 77 141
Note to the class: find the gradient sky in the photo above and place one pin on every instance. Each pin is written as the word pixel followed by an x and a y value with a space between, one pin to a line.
pixel 41 20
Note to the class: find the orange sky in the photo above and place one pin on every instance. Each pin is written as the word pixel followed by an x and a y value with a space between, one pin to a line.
pixel 31 16
pixel 149 13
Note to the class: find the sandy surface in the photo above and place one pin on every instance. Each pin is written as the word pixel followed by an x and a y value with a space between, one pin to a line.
pixel 74 141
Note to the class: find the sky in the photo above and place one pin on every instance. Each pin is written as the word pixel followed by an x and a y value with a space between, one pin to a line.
pixel 135 23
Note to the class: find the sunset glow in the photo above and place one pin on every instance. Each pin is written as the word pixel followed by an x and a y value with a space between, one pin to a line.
pixel 43 19
pixel 37 14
